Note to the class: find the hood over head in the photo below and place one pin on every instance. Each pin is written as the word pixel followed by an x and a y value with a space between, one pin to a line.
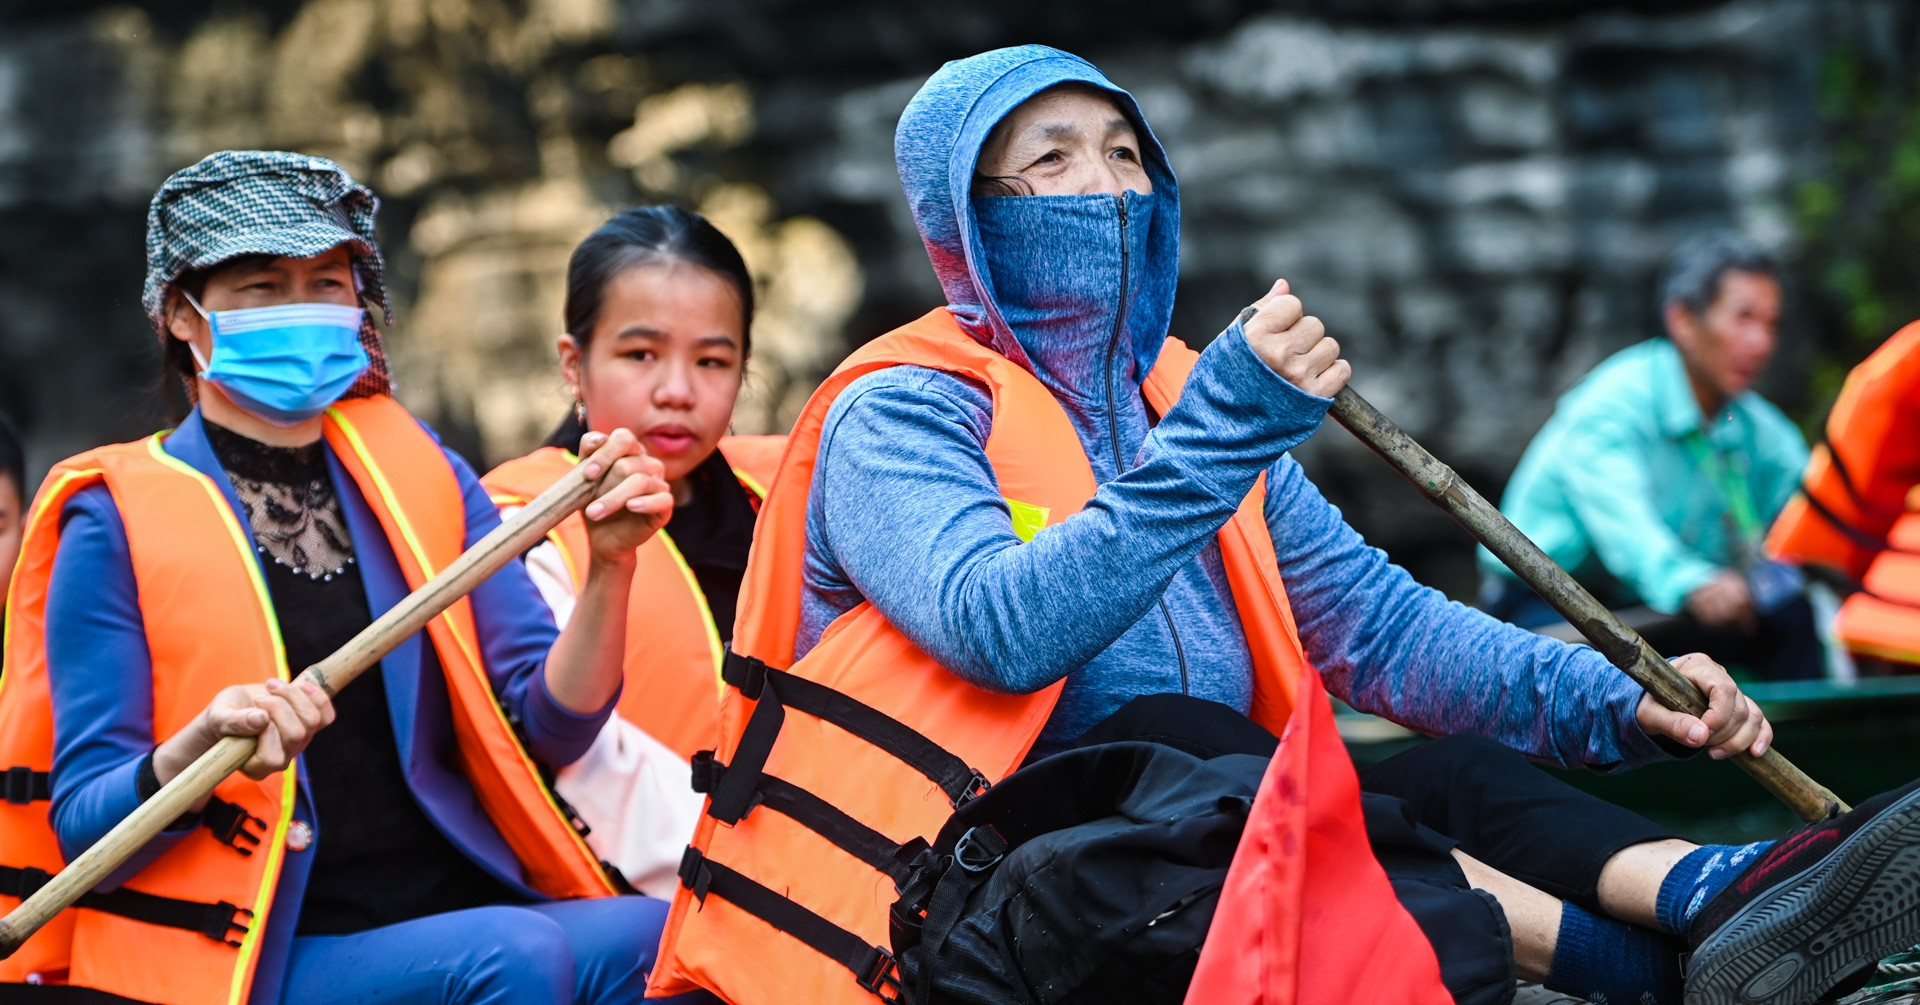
pixel 1075 288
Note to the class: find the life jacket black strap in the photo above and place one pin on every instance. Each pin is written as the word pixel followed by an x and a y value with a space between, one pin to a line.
pixel 776 690
pixel 217 921
pixel 735 789
pixel 229 822
pixel 1863 539
pixel 22 785
pixel 59 994
pixel 1840 468
pixel 873 966
pixel 899 862
pixel 1856 535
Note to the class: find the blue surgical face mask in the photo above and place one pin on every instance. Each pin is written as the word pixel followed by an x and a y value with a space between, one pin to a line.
pixel 284 363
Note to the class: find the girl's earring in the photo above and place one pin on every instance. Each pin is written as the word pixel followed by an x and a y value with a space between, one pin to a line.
pixel 580 410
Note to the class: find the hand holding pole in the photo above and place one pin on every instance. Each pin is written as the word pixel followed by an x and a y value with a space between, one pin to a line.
pixel 1621 645
pixel 1296 347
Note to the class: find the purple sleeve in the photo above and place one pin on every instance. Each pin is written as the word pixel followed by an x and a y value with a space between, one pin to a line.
pixel 101 682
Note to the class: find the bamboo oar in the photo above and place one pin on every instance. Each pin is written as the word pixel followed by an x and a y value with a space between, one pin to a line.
pixel 487 556
pixel 1622 646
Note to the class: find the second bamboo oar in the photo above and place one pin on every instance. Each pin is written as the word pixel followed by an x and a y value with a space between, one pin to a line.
pixel 1622 646
pixel 525 529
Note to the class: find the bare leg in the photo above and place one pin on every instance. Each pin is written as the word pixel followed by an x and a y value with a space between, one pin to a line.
pixel 1630 881
pixel 1532 916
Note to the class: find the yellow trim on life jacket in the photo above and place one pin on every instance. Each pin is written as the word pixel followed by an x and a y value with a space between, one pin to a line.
pixel 714 645
pixel 502 501
pixel 753 484
pixel 575 575
pixel 240 986
pixel 35 517
pixel 405 527
pixel 466 649
pixel 239 538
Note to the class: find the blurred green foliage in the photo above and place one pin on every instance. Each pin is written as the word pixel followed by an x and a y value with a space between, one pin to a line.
pixel 1860 220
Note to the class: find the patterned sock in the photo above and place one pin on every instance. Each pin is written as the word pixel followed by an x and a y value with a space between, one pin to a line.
pixel 1610 962
pixel 1695 879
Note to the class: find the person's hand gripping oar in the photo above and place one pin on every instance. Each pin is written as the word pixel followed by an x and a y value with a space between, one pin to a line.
pixel 1312 363
pixel 616 475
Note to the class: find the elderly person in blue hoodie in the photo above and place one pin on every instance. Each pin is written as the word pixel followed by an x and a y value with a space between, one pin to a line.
pixel 1052 218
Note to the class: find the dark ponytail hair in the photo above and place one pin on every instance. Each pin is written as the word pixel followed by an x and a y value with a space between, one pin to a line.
pixel 644 235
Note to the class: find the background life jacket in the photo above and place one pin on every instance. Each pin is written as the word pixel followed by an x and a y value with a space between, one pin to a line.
pixel 673 647
pixel 1859 506
pixel 186 929
pixel 835 771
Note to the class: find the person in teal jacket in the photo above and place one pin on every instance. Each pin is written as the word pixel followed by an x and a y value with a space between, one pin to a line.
pixel 1656 478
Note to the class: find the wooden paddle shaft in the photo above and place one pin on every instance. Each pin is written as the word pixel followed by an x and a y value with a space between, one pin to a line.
pixel 1622 646
pixel 525 529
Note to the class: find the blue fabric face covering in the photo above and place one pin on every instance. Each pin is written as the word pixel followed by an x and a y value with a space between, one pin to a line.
pixel 284 363
pixel 1067 273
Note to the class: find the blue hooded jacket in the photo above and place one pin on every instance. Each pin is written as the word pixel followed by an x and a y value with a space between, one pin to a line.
pixel 1129 597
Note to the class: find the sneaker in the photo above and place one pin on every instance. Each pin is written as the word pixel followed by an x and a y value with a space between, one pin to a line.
pixel 1828 900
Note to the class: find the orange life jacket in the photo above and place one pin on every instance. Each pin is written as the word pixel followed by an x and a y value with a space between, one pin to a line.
pixel 186 929
pixel 673 647
pixel 1859 506
pixel 835 771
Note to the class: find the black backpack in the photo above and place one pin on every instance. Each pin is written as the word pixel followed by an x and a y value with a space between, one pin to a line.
pixel 1089 876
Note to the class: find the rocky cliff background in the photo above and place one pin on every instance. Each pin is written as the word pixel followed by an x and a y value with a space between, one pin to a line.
pixel 1475 194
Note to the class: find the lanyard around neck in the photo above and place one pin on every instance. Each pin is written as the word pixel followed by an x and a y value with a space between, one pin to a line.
pixel 1732 487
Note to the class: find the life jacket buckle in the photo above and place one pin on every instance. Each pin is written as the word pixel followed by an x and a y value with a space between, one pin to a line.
pixel 228 822
pixel 706 771
pixel 881 977
pixel 694 874
pixel 977 786
pixel 221 918
pixel 744 673
pixel 573 817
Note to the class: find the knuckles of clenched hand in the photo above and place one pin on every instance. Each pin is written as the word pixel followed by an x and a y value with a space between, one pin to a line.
pixel 1295 344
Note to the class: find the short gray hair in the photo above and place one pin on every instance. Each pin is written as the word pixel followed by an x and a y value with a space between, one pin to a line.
pixel 1694 271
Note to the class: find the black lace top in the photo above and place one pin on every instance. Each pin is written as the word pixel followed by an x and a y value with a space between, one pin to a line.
pixel 289 500
pixel 379 859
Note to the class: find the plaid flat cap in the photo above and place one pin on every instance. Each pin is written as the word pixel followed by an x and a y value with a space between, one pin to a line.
pixel 266 202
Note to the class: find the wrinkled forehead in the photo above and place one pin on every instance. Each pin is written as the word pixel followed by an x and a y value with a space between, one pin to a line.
pixel 1022 85
pixel 1063 112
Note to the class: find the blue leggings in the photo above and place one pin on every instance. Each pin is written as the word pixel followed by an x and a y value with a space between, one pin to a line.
pixel 590 952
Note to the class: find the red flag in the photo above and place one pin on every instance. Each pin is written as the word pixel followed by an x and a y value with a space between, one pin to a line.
pixel 1307 916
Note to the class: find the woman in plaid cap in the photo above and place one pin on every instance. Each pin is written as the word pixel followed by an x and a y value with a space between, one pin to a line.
pixel 417 856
